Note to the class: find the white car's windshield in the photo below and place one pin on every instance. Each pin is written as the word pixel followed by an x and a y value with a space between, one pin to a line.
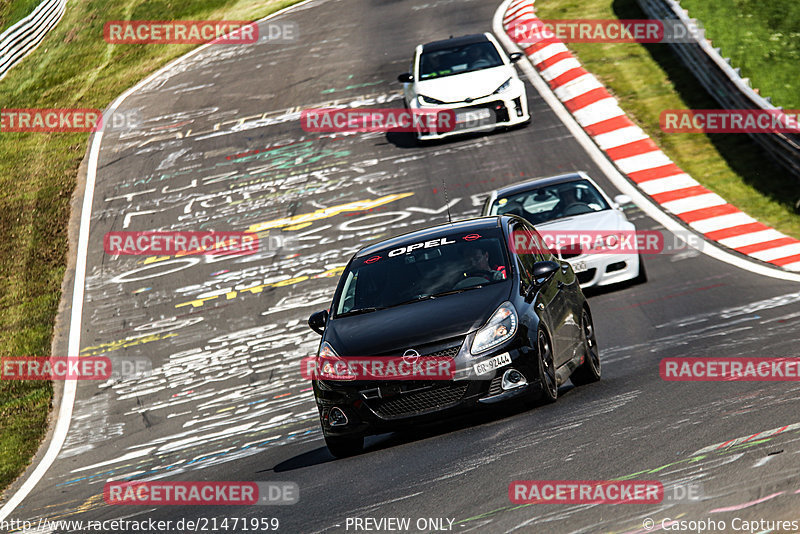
pixel 552 202
pixel 458 60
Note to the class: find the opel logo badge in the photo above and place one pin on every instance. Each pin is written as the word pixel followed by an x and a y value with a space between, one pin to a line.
pixel 410 356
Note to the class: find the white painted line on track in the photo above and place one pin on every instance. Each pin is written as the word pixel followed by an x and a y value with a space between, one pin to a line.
pixel 721 222
pixel 70 386
pixel 670 183
pixel 697 202
pixel 620 137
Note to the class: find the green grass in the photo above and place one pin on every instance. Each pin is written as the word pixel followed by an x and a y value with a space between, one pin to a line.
pixel 761 38
pixel 648 79
pixel 12 11
pixel 74 67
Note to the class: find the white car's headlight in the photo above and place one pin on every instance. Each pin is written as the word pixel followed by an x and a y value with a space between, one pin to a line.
pixel 608 241
pixel 501 327
pixel 505 87
pixel 426 100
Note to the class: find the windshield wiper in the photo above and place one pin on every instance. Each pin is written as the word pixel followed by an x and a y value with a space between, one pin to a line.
pixel 435 295
pixel 359 311
pixel 455 291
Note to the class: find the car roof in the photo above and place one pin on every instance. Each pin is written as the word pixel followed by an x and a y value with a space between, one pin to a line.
pixel 455 41
pixel 477 224
pixel 539 182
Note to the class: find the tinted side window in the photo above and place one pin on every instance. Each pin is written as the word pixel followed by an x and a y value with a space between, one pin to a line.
pixel 521 236
pixel 541 254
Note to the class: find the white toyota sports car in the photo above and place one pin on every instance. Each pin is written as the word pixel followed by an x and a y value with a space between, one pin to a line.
pixel 471 75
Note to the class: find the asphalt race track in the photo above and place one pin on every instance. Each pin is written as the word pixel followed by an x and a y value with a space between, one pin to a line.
pixel 217 145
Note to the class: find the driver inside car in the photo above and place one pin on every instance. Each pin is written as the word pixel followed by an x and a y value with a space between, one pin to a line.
pixel 477 58
pixel 568 197
pixel 477 264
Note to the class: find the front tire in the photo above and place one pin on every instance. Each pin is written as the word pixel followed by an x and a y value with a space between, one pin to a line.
pixel 344 446
pixel 590 370
pixel 548 390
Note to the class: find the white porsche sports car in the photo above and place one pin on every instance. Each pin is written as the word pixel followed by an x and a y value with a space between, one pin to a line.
pixel 470 75
pixel 574 205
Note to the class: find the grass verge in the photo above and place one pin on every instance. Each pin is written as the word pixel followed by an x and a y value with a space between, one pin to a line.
pixel 761 38
pixel 648 79
pixel 73 68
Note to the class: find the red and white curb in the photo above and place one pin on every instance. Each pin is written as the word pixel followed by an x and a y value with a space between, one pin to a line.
pixel 638 157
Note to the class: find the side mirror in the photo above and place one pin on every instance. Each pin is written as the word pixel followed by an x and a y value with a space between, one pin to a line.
pixel 516 56
pixel 406 77
pixel 621 200
pixel 544 270
pixel 318 320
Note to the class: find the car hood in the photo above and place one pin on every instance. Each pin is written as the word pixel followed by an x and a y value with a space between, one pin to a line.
pixel 394 330
pixel 598 221
pixel 458 87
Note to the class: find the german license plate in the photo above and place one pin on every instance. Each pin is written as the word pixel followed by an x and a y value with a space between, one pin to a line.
pixel 473 115
pixel 579 266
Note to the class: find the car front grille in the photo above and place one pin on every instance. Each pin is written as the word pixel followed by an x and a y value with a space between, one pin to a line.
pixel 419 402
pixel 443 349
pixel 450 352
pixel 570 251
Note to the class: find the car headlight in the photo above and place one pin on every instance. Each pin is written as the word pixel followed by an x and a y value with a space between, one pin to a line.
pixel 330 366
pixel 505 87
pixel 428 100
pixel 605 242
pixel 500 328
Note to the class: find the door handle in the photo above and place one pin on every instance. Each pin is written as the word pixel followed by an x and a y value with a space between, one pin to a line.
pixel 561 285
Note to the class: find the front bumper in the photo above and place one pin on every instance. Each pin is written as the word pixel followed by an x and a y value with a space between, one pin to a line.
pixel 505 109
pixel 604 269
pixel 376 407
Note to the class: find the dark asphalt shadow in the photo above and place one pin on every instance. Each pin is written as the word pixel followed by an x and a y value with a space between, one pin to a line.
pixel 408 140
pixel 431 429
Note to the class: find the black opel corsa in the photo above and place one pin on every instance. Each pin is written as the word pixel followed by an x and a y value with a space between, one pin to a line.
pixel 512 320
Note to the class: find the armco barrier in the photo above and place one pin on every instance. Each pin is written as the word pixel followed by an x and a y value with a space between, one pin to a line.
pixel 23 37
pixel 724 83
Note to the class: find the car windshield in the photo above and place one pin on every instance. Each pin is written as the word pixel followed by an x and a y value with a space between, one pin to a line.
pixel 429 269
pixel 543 204
pixel 458 60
